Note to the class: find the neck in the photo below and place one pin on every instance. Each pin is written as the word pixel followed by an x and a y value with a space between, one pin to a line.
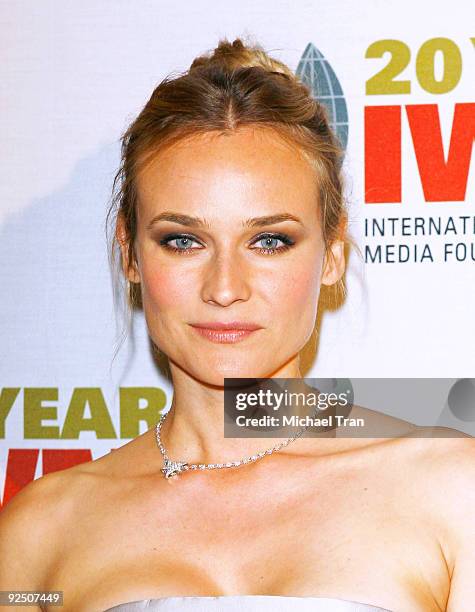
pixel 193 430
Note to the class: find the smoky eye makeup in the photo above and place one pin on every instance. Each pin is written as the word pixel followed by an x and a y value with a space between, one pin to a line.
pixel 182 242
pixel 268 243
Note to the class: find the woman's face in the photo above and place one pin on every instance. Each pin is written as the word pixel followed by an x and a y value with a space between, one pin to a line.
pixel 228 231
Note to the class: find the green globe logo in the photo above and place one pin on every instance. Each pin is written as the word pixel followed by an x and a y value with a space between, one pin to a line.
pixel 314 70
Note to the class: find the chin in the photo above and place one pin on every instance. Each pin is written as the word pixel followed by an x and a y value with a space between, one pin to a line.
pixel 215 373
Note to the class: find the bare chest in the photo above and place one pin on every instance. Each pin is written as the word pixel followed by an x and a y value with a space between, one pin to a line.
pixel 348 536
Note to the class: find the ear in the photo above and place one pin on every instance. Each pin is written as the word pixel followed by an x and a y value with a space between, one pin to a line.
pixel 131 272
pixel 334 263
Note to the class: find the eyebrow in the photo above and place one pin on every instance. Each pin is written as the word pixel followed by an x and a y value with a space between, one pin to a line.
pixel 198 222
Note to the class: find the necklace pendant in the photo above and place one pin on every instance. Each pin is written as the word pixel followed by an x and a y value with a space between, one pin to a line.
pixel 172 468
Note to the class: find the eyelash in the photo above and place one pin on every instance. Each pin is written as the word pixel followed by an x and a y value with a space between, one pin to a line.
pixel 288 243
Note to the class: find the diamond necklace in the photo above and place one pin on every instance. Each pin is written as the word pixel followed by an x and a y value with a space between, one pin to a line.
pixel 172 468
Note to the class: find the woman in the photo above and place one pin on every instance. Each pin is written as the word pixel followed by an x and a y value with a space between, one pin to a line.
pixel 229 219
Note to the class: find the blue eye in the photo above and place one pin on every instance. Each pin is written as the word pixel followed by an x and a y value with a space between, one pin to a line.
pixel 182 240
pixel 270 241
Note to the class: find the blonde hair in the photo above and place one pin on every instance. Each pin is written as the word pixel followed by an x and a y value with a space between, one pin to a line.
pixel 235 85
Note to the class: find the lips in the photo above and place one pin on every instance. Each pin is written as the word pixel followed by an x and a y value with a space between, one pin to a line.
pixel 232 325
pixel 226 333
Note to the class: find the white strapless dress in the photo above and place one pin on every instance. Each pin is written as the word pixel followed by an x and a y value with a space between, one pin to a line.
pixel 245 603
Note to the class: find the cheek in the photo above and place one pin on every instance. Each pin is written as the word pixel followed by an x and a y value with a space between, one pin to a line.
pixel 163 288
pixel 301 293
pixel 297 290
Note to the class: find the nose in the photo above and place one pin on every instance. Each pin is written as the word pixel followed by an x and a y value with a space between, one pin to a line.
pixel 226 279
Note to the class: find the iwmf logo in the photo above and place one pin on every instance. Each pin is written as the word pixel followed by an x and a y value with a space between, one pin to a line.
pixel 442 178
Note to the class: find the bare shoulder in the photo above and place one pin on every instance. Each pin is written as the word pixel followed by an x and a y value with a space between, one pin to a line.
pixel 444 459
pixel 49 497
pixel 437 467
pixel 448 455
pixel 31 509
pixel 27 534
pixel 445 472
pixel 47 505
pixel 34 526
pixel 458 485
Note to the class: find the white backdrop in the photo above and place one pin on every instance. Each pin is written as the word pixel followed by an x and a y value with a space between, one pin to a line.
pixel 74 74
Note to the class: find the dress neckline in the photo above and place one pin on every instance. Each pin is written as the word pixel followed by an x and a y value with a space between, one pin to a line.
pixel 179 598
